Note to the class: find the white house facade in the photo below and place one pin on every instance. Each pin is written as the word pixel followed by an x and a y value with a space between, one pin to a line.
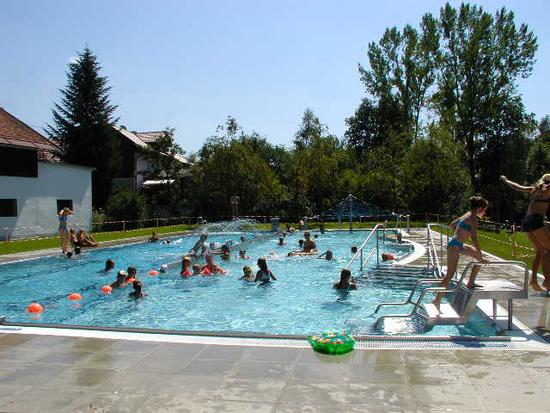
pixel 35 185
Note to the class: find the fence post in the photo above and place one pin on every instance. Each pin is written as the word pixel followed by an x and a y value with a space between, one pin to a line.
pixel 157 222
pixel 123 226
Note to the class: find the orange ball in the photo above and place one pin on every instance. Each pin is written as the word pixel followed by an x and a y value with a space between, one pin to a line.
pixel 35 308
pixel 107 289
pixel 75 297
pixel 130 280
pixel 153 273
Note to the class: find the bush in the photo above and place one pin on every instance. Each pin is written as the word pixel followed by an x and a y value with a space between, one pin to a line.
pixel 126 205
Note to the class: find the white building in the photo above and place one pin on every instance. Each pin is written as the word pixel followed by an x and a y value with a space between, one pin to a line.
pixel 35 184
pixel 135 165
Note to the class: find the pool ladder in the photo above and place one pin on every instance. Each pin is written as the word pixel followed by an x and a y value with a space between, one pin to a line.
pixel 463 300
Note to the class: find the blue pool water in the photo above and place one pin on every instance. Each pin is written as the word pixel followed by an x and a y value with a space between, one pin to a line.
pixel 301 301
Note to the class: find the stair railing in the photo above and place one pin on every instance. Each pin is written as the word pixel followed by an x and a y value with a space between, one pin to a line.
pixel 359 252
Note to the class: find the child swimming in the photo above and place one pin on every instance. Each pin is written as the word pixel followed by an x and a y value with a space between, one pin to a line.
pixel 109 265
pixel 346 281
pixel 138 290
pixel 120 280
pixel 186 268
pixel 248 274
pixel 211 268
pixel 264 275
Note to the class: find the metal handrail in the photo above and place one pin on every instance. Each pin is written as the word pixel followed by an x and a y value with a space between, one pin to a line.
pixel 458 283
pixel 364 243
pixel 432 251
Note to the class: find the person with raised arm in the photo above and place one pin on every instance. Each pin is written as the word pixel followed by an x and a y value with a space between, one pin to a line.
pixel 533 225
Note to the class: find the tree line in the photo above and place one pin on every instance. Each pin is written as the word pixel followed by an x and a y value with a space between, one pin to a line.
pixel 441 119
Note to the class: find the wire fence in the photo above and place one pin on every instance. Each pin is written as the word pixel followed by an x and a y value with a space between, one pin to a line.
pixel 510 239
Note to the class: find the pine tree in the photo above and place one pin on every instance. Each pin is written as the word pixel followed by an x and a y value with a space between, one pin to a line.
pixel 83 124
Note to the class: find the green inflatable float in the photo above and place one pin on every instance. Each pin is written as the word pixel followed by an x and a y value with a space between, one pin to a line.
pixel 332 343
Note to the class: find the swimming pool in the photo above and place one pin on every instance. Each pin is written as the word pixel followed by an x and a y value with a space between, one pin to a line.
pixel 301 301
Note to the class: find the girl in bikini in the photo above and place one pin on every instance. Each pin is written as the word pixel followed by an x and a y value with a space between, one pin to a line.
pixel 533 225
pixel 464 227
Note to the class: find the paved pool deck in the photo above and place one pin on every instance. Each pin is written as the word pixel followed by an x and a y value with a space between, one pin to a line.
pixel 46 373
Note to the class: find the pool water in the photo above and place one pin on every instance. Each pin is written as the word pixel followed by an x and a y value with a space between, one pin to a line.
pixel 301 301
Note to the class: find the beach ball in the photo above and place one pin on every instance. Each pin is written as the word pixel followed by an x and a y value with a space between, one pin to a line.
pixel 106 289
pixel 35 308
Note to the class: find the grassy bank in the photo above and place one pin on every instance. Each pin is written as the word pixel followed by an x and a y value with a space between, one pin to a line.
pixel 54 242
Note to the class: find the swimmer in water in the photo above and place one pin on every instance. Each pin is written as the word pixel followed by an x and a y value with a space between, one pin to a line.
pixel 196 269
pixel 346 281
pixel 109 265
pixel 138 290
pixel 120 280
pixel 211 267
pixel 264 275
pixel 186 268
pixel 132 273
pixel 242 255
pixel 248 275
pixel 329 256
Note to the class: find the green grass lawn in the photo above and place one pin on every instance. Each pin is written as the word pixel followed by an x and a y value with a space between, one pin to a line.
pixel 500 245
pixel 53 242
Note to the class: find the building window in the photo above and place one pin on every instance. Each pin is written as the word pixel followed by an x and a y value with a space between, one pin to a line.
pixel 8 207
pixel 62 203
pixel 18 162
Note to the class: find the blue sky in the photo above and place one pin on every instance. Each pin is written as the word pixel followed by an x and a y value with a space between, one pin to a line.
pixel 190 64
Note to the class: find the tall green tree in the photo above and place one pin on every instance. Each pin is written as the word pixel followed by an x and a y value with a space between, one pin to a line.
pixel 83 123
pixel 402 69
pixel 482 58
pixel 228 164
pixel 435 178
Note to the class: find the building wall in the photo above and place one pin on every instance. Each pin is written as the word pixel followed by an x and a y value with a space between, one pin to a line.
pixel 37 199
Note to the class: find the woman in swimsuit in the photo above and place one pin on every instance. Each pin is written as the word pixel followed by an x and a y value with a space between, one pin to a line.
pixel 464 227
pixel 533 225
pixel 63 228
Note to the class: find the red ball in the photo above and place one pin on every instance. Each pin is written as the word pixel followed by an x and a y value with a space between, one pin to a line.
pixel 75 297
pixel 153 273
pixel 35 308
pixel 107 289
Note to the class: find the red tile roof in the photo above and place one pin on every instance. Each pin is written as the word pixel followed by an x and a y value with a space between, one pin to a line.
pixel 14 132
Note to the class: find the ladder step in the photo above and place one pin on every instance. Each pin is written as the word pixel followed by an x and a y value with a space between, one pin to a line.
pixel 447 311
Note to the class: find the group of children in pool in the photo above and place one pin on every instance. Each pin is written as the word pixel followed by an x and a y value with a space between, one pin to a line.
pixel 263 275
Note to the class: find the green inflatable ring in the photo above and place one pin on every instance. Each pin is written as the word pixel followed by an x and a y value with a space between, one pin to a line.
pixel 332 343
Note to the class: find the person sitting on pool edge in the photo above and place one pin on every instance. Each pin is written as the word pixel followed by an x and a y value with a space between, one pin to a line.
pixel 211 268
pixel 264 275
pixel 86 240
pixel 346 281
pixel 120 280
pixel 138 290
pixel 154 237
